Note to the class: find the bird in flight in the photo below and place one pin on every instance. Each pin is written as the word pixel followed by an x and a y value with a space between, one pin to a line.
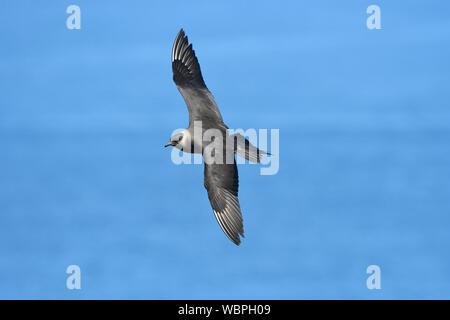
pixel 220 177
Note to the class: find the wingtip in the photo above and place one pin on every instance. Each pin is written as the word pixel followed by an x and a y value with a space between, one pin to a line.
pixel 185 66
pixel 237 241
pixel 178 39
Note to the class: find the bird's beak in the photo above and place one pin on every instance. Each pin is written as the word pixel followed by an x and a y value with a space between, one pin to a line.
pixel 169 144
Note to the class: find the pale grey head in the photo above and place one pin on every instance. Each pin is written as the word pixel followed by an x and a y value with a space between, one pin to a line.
pixel 176 141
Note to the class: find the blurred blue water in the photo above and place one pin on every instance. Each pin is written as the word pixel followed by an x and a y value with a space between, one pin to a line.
pixel 364 159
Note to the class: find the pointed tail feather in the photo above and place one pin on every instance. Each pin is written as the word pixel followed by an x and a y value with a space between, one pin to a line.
pixel 244 149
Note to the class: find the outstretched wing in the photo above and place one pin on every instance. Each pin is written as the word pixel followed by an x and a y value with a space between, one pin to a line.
pixel 222 183
pixel 188 78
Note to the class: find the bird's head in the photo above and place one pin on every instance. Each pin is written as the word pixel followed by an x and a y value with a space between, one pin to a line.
pixel 175 140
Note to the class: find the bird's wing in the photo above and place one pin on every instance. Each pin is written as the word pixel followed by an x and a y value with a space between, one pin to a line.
pixel 222 182
pixel 188 78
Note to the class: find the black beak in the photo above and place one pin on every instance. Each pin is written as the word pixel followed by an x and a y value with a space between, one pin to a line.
pixel 169 144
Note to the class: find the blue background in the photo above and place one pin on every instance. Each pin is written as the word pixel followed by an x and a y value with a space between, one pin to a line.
pixel 364 150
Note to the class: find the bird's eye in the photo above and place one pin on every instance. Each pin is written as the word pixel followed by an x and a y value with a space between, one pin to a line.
pixel 179 139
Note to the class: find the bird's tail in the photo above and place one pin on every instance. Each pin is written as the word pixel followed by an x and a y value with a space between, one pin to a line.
pixel 244 149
